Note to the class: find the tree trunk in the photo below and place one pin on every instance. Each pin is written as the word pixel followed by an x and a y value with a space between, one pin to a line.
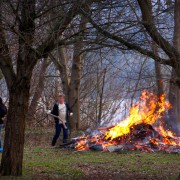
pixel 74 90
pixel 24 22
pixel 12 158
pixel 174 99
pixel 61 65
pixel 71 86
pixel 63 68
pixel 18 87
pixel 38 92
pixel 101 96
pixel 159 82
pixel 174 90
pixel 74 86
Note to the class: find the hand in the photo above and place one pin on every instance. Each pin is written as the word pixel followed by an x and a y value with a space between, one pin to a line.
pixel 71 114
pixel 48 111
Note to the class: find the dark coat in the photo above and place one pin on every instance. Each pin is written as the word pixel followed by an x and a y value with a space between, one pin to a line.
pixel 3 112
pixel 55 112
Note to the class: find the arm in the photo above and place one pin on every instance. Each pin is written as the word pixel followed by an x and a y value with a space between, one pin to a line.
pixel 54 110
pixel 54 113
pixel 69 110
pixel 57 117
pixel 3 111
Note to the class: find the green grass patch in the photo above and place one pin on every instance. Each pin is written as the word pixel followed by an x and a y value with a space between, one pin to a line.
pixel 54 163
pixel 77 165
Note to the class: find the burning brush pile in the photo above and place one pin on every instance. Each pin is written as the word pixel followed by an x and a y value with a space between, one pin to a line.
pixel 142 130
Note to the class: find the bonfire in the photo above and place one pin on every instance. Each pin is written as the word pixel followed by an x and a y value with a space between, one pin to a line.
pixel 142 130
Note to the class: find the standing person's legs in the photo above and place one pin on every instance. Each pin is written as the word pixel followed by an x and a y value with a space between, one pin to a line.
pixel 57 133
pixel 1 126
pixel 65 134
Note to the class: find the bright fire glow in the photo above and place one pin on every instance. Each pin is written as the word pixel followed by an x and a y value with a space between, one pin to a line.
pixel 149 109
pixel 167 136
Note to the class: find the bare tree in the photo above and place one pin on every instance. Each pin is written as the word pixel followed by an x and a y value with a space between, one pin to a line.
pixel 71 77
pixel 25 25
pixel 38 89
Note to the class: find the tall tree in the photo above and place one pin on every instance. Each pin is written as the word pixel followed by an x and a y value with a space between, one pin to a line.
pixel 71 78
pixel 26 22
pixel 74 86
pixel 174 91
pixel 158 74
pixel 39 86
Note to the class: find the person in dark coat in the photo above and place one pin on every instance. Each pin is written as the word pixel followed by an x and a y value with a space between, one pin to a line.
pixel 61 109
pixel 3 112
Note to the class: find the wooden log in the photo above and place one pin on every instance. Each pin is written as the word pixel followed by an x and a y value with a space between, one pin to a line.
pixel 121 147
pixel 96 147
pixel 105 128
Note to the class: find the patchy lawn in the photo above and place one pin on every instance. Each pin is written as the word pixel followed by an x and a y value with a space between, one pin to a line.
pixel 44 162
pixel 67 164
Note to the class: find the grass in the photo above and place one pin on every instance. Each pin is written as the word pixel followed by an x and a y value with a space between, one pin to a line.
pixel 68 164
pixel 44 162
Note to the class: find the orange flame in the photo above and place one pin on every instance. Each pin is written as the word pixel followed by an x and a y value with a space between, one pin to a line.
pixel 168 136
pixel 82 144
pixel 149 109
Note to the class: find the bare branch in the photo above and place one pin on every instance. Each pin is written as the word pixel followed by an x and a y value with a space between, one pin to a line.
pixel 148 23
pixel 5 59
pixel 130 46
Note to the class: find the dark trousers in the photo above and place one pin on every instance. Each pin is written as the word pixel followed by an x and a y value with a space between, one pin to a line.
pixel 58 128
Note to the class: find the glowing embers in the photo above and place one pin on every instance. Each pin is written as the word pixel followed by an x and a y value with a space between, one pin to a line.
pixel 142 129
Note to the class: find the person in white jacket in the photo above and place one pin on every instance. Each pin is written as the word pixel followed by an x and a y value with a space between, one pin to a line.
pixel 63 111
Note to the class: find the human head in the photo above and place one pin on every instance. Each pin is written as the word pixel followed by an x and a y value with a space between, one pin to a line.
pixel 61 98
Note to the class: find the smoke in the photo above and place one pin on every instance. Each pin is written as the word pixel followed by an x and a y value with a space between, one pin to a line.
pixel 172 124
